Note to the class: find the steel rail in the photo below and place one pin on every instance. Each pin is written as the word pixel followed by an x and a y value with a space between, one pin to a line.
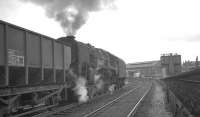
pixel 62 108
pixel 190 81
pixel 109 103
pixel 133 111
pixel 53 111
pixel 32 111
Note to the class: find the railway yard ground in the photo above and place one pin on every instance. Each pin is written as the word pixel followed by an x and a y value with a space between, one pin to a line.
pixel 139 98
pixel 98 105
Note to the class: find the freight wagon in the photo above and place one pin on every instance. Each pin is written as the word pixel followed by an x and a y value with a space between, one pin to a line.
pixel 38 70
pixel 32 68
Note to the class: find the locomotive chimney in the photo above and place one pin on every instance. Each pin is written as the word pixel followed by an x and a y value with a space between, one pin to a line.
pixel 67 40
pixel 71 37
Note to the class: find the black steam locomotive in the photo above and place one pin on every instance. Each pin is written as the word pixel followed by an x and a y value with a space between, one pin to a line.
pixel 36 70
pixel 88 61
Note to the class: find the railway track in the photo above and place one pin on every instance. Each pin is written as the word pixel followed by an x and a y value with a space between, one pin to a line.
pixel 190 81
pixel 127 103
pixel 40 111
pixel 53 110
pixel 121 106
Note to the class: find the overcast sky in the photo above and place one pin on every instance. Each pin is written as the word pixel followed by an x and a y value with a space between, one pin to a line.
pixel 134 30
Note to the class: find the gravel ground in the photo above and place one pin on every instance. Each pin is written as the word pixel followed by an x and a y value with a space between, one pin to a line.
pixel 154 105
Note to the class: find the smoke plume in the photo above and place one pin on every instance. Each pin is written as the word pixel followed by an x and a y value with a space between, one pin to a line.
pixel 71 14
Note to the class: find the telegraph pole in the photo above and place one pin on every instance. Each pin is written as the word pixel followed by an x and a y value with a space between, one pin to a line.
pixel 197 62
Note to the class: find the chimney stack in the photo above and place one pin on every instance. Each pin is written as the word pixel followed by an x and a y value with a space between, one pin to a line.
pixel 71 37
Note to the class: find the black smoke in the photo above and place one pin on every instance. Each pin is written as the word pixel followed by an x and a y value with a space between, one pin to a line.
pixel 71 14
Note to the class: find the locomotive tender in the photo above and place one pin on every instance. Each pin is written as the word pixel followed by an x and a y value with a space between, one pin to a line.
pixel 39 70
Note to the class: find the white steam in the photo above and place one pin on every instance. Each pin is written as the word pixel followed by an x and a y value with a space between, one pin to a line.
pixel 81 90
pixel 97 77
pixel 126 82
pixel 99 83
pixel 111 88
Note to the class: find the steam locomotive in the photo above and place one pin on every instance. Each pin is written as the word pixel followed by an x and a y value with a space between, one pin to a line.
pixel 88 61
pixel 36 70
